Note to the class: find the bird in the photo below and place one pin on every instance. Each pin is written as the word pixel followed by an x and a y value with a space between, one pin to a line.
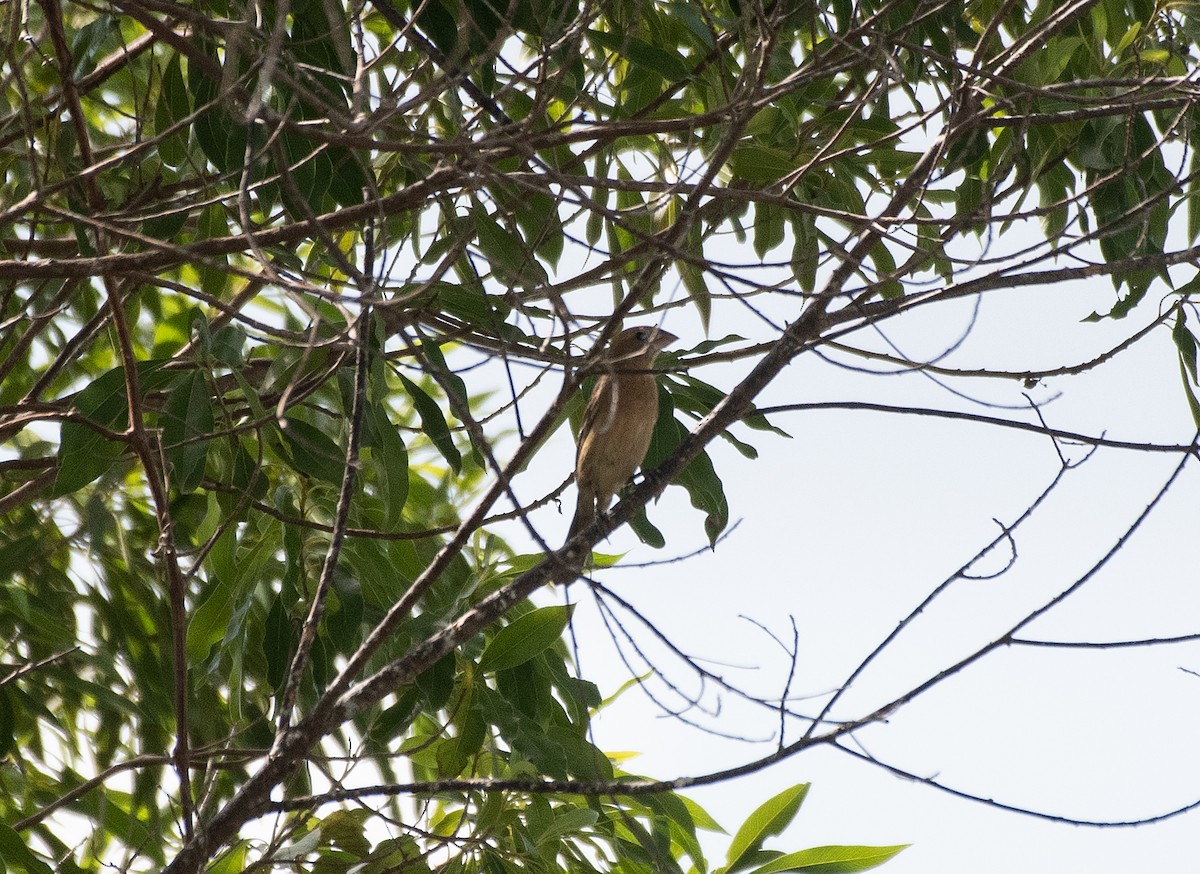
pixel 618 421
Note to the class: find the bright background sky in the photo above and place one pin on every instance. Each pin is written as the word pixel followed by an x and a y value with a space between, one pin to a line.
pixel 847 526
pixel 850 524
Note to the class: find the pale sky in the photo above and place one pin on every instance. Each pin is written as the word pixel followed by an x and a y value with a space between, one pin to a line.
pixel 850 524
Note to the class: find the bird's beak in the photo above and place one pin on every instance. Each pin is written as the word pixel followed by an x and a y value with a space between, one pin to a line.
pixel 661 340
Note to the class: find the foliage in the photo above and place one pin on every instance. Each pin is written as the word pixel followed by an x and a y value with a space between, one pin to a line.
pixel 250 256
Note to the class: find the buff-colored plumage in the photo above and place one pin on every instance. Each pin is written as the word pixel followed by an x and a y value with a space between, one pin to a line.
pixel 618 421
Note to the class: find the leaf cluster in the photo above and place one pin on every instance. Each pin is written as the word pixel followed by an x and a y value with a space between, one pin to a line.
pixel 262 270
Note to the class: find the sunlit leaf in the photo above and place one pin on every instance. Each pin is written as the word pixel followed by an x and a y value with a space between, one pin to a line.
pixel 831 860
pixel 768 820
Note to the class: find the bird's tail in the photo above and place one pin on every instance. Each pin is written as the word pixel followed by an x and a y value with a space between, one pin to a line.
pixel 585 514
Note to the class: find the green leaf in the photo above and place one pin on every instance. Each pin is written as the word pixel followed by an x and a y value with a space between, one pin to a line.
pixel 524 638
pixel 569 823
pixel 232 862
pixel 277 642
pixel 310 170
pixel 1193 198
pixel 583 759
pixel 209 621
pixel 7 722
pixel 228 346
pixel 760 164
pixel 806 252
pixel 214 272
pixel 88 42
pixel 692 274
pixel 698 398
pixel 389 460
pixel 83 454
pixel 397 854
pixel 112 808
pixel 467 302
pixel 669 65
pixel 700 816
pixel 437 22
pixel 683 831
pixel 771 818
pixel 831 860
pixel 83 457
pixel 969 205
pixel 768 228
pixel 706 346
pixel 375 570
pixel 315 26
pixel 165 225
pixel 1127 40
pixel 448 379
pixel 433 423
pixel 1048 64
pixel 1185 343
pixel 512 260
pixel 537 216
pixel 699 478
pixel 222 138
pixel 187 423
pixel 313 453
pixel 173 106
pixel 247 475
pixel 696 22
pixel 651 850
pixel 344 829
pixel 887 284
pixel 595 226
pixel 646 531
pixel 437 681
pixel 220 618
pixel 17 856
pixel 706 493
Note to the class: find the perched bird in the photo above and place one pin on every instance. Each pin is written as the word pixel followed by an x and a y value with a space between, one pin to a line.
pixel 618 421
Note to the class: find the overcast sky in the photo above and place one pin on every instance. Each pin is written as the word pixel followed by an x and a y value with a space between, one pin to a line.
pixel 850 524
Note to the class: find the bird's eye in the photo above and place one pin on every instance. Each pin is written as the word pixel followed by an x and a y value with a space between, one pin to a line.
pixel 643 336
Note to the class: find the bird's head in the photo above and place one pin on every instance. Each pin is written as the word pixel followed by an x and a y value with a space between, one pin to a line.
pixel 644 341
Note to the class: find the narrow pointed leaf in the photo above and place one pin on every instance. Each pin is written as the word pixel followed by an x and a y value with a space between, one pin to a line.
pixel 520 641
pixel 831 860
pixel 771 818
